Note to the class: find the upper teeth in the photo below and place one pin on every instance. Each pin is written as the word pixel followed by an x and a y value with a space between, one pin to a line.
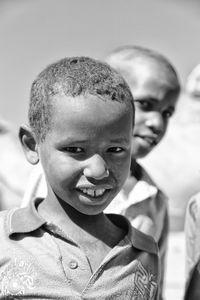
pixel 93 193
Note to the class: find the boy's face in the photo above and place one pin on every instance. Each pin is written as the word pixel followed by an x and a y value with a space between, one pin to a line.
pixel 154 105
pixel 86 154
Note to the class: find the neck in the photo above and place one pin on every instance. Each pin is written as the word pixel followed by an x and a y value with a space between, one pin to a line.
pixel 73 222
pixel 135 169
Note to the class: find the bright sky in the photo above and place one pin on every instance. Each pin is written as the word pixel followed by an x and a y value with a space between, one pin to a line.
pixel 34 33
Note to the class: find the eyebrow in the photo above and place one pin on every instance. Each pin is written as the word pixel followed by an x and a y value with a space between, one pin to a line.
pixel 147 98
pixel 74 141
pixel 119 140
pixel 172 107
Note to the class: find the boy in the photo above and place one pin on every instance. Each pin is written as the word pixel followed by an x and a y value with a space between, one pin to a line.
pixel 64 247
pixel 155 87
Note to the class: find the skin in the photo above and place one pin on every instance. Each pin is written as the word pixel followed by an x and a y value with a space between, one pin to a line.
pixel 154 105
pixel 88 148
pixel 86 159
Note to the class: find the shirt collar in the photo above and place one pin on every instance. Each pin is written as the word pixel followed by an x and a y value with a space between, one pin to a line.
pixel 138 239
pixel 27 219
pixel 144 188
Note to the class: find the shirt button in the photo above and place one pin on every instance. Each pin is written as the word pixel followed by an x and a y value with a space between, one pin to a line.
pixel 73 264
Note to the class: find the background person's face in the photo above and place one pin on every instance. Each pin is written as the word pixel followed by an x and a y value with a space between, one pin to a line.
pixel 154 105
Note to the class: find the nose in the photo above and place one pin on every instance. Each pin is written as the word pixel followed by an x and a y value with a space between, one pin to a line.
pixel 156 122
pixel 96 167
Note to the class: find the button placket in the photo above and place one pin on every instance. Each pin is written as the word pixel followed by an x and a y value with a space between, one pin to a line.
pixel 73 264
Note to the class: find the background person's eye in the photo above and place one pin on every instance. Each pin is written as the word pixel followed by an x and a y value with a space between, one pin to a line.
pixel 116 149
pixel 143 104
pixel 167 114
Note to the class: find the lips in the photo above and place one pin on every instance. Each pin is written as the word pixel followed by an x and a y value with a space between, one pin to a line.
pixel 151 140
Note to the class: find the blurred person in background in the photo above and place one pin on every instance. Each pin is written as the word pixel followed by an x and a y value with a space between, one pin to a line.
pixel 193 83
pixel 180 150
pixel 14 169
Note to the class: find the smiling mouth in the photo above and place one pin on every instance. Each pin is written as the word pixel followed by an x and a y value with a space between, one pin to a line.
pixel 95 193
pixel 150 140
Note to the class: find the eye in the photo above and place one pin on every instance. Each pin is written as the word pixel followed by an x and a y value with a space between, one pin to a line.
pixel 144 104
pixel 73 150
pixel 167 114
pixel 116 149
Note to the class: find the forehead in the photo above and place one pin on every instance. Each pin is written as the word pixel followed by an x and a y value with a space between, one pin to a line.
pixel 143 69
pixel 148 78
pixel 89 112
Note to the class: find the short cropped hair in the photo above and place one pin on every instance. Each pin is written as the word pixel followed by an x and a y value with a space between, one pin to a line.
pixel 120 58
pixel 73 76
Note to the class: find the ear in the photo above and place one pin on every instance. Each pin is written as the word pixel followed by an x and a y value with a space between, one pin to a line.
pixel 29 144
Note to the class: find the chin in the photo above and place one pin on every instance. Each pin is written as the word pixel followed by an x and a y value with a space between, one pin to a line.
pixel 91 212
pixel 143 152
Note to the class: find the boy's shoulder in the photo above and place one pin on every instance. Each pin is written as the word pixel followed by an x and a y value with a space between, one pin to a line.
pixel 20 220
pixel 143 241
pixel 137 238
pixel 6 221
pixel 5 231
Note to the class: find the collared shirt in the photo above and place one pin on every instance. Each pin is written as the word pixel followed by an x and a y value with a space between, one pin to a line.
pixel 192 236
pixel 39 260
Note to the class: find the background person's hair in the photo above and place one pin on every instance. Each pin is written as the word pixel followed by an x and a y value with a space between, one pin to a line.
pixel 73 77
pixel 122 59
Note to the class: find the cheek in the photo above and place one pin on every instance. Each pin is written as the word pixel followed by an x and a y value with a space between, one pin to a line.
pixel 136 149
pixel 67 172
pixel 121 169
pixel 60 172
pixel 162 134
pixel 140 118
pixel 164 127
